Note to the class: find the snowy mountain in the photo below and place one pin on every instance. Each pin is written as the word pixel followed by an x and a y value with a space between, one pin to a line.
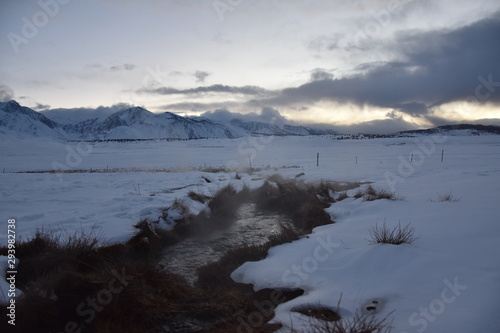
pixel 22 121
pixel 139 123
pixel 136 123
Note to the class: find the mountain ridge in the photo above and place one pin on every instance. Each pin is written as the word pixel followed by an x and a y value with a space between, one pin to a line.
pixel 17 118
pixel 457 127
pixel 138 123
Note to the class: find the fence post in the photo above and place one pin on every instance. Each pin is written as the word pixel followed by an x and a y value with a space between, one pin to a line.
pixel 317 159
pixel 442 155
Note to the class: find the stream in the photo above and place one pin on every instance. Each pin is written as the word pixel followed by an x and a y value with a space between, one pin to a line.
pixel 252 227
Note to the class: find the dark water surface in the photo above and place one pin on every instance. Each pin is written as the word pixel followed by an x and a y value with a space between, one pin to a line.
pixel 252 227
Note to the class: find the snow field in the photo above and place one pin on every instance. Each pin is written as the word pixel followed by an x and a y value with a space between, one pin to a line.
pixel 446 281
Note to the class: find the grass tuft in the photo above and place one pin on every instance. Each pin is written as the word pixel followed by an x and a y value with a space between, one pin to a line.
pixel 371 193
pixel 342 196
pixel 322 313
pixel 325 191
pixel 305 204
pixel 359 323
pixel 447 197
pixel 396 236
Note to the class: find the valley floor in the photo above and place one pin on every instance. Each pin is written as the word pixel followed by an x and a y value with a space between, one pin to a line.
pixel 447 281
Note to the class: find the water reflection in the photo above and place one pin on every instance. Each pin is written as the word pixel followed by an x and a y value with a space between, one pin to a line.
pixel 252 227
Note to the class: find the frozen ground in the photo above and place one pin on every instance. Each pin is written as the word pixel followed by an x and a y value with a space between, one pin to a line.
pixel 446 282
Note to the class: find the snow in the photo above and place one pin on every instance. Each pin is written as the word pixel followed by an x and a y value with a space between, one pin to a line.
pixel 446 281
pixel 129 123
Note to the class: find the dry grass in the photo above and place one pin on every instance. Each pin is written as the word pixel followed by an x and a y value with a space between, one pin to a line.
pixel 323 319
pixel 359 323
pixel 44 253
pixel 223 206
pixel 149 239
pixel 396 236
pixel 342 196
pixel 286 234
pixel 447 197
pixel 304 204
pixel 222 203
pixel 324 190
pixel 57 276
pixel 60 278
pixel 319 312
pixel 371 193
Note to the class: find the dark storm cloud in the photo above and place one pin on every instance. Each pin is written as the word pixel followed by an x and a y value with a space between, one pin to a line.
pixel 201 76
pixel 41 107
pixel 414 109
pixel 320 74
pixel 266 115
pixel 6 93
pixel 104 109
pixel 326 43
pixel 216 88
pixel 114 68
pixel 122 67
pixel 74 115
pixel 193 106
pixel 438 67
pixel 379 126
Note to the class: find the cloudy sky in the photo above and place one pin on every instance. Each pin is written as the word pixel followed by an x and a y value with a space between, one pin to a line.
pixel 369 64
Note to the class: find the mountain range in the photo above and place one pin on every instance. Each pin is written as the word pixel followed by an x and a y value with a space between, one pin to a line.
pixel 135 123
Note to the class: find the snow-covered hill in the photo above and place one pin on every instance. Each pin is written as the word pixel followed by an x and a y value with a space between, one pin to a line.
pixel 260 128
pixel 139 123
pixel 21 121
pixel 457 130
